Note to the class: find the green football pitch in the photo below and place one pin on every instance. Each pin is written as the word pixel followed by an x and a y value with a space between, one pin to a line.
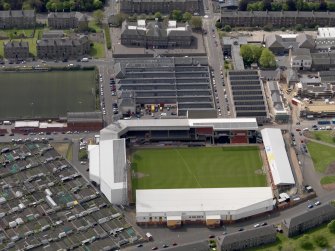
pixel 210 167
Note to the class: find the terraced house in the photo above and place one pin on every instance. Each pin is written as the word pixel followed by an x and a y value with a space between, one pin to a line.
pixel 20 19
pixel 17 50
pixel 277 18
pixel 67 20
pixel 63 48
pixel 163 6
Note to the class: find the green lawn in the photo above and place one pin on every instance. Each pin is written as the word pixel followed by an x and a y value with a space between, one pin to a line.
pixel 98 50
pixel 325 136
pixel 327 180
pixel 285 243
pixel 322 155
pixel 197 168
pixel 92 24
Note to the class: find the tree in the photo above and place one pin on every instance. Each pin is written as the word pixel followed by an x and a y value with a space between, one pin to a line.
pixel 256 52
pixel 276 6
pixel 196 22
pixel 243 4
pixel 331 226
pixel 97 4
pixel 305 242
pixel 227 28
pixel 246 54
pixel 187 16
pixel 176 15
pixel 300 4
pixel 158 15
pixel 320 240
pixel 291 5
pixel 98 16
pixel 267 59
pixel 267 5
pixel 119 18
pixel 299 27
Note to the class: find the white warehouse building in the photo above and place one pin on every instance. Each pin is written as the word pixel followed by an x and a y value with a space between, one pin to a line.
pixel 206 205
pixel 281 172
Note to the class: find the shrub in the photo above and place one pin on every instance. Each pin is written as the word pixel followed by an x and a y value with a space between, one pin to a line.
pixel 321 241
pixel 108 38
pixel 305 242
pixel 331 225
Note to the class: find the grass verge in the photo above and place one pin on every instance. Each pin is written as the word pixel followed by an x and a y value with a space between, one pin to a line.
pixel 97 50
pixel 322 155
pixel 69 153
pixel 108 38
pixel 325 136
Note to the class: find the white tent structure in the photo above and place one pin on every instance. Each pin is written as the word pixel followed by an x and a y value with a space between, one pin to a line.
pixel 277 157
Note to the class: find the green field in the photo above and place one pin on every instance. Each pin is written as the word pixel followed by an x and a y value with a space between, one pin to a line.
pixel 46 94
pixel 212 167
pixel 325 136
pixel 322 155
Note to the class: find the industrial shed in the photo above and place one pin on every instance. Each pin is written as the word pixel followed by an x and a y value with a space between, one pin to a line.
pixel 84 121
pixel 281 172
pixel 203 205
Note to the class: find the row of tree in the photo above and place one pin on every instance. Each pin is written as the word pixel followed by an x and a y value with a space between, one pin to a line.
pixel 52 5
pixel 257 54
pixel 288 5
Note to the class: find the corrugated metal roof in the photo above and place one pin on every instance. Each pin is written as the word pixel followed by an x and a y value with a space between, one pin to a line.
pixel 277 157
pixel 205 200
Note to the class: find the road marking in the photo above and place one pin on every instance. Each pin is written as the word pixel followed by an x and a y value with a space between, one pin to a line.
pixel 188 168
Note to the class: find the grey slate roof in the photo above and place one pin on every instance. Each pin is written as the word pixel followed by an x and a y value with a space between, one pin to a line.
pixel 292 75
pixel 309 215
pixel 80 16
pixel 84 117
pixel 305 41
pixel 65 41
pixel 247 234
pixel 301 54
pixel 18 44
pixel 306 14
pixel 17 13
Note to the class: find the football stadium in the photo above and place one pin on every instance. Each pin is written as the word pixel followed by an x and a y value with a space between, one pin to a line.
pixel 179 171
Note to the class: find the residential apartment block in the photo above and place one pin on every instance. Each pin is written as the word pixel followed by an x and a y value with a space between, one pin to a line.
pixel 277 18
pixel 17 50
pixel 163 6
pixel 247 239
pixel 21 19
pixel 63 48
pixel 300 223
pixel 67 20
pixel 156 35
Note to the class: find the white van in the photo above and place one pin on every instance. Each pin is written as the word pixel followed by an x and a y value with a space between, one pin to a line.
pixel 149 236
pixel 84 60
pixel 7 122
